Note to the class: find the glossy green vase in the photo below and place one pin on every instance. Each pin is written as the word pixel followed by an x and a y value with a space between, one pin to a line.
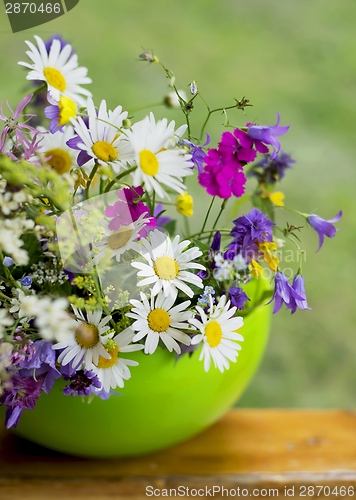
pixel 165 402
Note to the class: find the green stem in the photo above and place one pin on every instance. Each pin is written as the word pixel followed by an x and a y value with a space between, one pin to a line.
pixel 114 181
pixel 91 177
pixel 207 214
pixel 207 232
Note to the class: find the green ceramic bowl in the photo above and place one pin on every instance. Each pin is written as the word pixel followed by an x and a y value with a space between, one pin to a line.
pixel 165 402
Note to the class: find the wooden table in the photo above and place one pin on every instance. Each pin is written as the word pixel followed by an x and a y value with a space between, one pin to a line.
pixel 256 453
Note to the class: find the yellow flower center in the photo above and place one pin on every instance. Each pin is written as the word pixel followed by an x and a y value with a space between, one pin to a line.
pixel 59 159
pixel 108 363
pixel 67 110
pixel 87 335
pixel 119 238
pixel 213 333
pixel 185 204
pixel 166 268
pixel 104 151
pixel 148 162
pixel 55 79
pixel 159 320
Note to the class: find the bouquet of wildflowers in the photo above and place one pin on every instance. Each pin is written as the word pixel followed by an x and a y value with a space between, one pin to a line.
pixel 91 267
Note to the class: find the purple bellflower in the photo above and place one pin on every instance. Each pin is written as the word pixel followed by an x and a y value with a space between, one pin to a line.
pixel 293 296
pixel 268 134
pixel 324 227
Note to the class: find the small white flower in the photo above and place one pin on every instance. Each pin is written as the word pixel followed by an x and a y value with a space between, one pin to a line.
pixel 85 343
pixel 218 334
pixel 103 140
pixel 5 320
pixel 158 158
pixel 167 265
pixel 51 316
pixel 113 370
pixel 59 69
pixel 158 320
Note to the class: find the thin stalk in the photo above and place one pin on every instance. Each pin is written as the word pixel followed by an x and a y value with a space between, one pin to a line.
pixel 207 214
pixel 91 177
pixel 114 181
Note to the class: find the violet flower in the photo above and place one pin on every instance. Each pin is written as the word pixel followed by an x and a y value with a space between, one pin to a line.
pixel 81 383
pixel 197 152
pixel 42 364
pixel 22 395
pixel 161 220
pixel 268 134
pixel 268 171
pixel 298 286
pixel 324 227
pixel 284 293
pixel 248 231
pixel 238 297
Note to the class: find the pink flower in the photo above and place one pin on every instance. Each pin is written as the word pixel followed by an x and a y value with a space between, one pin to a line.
pixel 13 125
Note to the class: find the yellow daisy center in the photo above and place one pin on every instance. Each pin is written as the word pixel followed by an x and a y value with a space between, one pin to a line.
pixel 59 159
pixel 166 268
pixel 148 162
pixel 114 353
pixel 159 320
pixel 67 110
pixel 55 79
pixel 213 333
pixel 104 151
pixel 87 335
pixel 119 238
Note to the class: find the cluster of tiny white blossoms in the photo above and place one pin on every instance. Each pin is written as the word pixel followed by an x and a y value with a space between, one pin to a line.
pixel 94 277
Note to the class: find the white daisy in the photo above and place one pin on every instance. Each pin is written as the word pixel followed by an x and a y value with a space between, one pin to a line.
pixel 54 150
pixel 86 343
pixel 218 334
pixel 167 265
pixel 115 243
pixel 59 69
pixel 158 320
pixel 113 371
pixel 158 157
pixel 103 140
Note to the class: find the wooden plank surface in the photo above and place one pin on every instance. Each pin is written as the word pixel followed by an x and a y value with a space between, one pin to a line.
pixel 265 450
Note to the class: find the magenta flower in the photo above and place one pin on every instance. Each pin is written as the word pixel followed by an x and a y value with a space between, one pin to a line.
pixel 222 175
pixel 128 209
pixel 324 227
pixel 268 134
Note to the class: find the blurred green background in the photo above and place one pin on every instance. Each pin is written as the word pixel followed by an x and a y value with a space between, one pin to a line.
pixel 295 57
